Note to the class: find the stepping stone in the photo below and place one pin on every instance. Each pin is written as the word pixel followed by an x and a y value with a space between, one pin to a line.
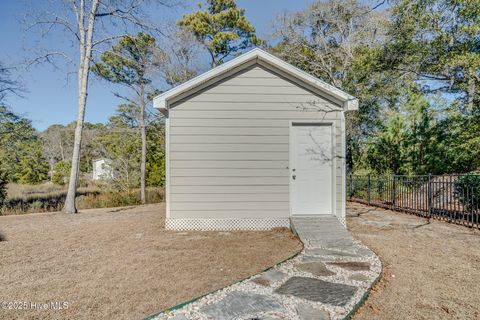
pixel 268 277
pixel 315 258
pixel 328 252
pixel 179 317
pixel 238 304
pixel 333 244
pixel 351 265
pixel 336 294
pixel 307 312
pixel 358 277
pixel 364 252
pixel 316 268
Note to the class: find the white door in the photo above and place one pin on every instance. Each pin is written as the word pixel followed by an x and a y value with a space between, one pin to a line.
pixel 311 168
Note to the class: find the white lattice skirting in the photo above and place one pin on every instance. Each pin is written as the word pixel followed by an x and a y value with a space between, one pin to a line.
pixel 342 221
pixel 226 224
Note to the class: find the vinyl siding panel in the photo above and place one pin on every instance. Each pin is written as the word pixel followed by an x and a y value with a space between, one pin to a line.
pixel 189 190
pixel 233 172
pixel 224 164
pixel 229 146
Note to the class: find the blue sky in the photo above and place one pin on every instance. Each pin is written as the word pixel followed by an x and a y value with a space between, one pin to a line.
pixel 50 98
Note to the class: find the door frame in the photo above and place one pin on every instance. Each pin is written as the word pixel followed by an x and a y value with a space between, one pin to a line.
pixel 331 124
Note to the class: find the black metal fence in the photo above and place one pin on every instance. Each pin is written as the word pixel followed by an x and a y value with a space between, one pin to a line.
pixel 454 198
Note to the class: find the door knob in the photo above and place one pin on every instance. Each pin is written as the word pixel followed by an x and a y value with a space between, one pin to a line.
pixel 293 177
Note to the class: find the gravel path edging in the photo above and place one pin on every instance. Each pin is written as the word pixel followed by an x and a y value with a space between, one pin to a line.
pixel 329 279
pixel 364 298
pixel 183 304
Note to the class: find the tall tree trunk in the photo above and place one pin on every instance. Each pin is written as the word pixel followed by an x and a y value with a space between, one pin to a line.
pixel 82 101
pixel 143 163
pixel 86 36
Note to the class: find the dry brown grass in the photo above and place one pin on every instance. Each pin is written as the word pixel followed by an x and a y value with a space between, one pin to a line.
pixel 430 268
pixel 122 263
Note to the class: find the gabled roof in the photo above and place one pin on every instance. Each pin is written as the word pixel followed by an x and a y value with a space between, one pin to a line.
pixel 245 60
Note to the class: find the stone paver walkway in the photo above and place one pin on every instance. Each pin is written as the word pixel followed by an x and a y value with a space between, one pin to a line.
pixel 325 281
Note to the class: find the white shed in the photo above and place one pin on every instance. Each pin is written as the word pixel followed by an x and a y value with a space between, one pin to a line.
pixel 102 169
pixel 251 143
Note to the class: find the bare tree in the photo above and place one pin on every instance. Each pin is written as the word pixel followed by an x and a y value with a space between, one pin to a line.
pixel 177 59
pixel 8 85
pixel 323 38
pixel 90 23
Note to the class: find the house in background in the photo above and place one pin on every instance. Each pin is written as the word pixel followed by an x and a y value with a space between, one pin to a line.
pixel 251 143
pixel 102 169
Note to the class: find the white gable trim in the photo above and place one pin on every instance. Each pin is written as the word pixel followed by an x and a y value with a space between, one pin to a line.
pixel 163 100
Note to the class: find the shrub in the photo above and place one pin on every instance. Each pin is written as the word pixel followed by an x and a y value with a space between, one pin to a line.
pixel 467 189
pixel 61 172
pixel 119 199
pixel 3 188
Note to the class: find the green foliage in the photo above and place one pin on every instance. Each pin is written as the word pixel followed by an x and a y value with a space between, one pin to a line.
pixel 32 168
pixel 467 189
pixel 438 40
pixel 415 72
pixel 21 157
pixel 407 141
pixel 128 61
pixel 3 186
pixel 121 144
pixel 222 28
pixel 61 172
pixel 156 154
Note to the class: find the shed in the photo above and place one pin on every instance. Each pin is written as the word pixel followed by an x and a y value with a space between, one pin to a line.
pixel 252 143
pixel 101 169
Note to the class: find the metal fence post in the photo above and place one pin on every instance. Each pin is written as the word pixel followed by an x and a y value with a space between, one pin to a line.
pixel 394 191
pixel 368 188
pixel 430 195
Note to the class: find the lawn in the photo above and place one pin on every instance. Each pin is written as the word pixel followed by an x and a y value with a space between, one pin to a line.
pixel 430 268
pixel 121 263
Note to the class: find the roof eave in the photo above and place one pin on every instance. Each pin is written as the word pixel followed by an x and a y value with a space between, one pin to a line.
pixel 351 105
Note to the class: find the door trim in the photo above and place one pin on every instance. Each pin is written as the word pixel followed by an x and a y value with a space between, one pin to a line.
pixel 291 124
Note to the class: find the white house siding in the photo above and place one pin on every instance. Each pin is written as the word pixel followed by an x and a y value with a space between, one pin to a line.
pixel 229 147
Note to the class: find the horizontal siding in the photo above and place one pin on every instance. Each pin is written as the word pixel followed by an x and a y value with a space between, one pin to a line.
pixel 224 164
pixel 260 81
pixel 254 115
pixel 229 214
pixel 229 181
pixel 229 146
pixel 230 197
pixel 245 123
pixel 211 189
pixel 226 139
pixel 256 72
pixel 239 105
pixel 178 155
pixel 225 147
pixel 245 205
pixel 233 172
pixel 258 89
pixel 229 131
pixel 253 98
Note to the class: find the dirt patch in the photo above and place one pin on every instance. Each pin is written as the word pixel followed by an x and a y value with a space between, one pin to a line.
pixel 430 267
pixel 123 264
